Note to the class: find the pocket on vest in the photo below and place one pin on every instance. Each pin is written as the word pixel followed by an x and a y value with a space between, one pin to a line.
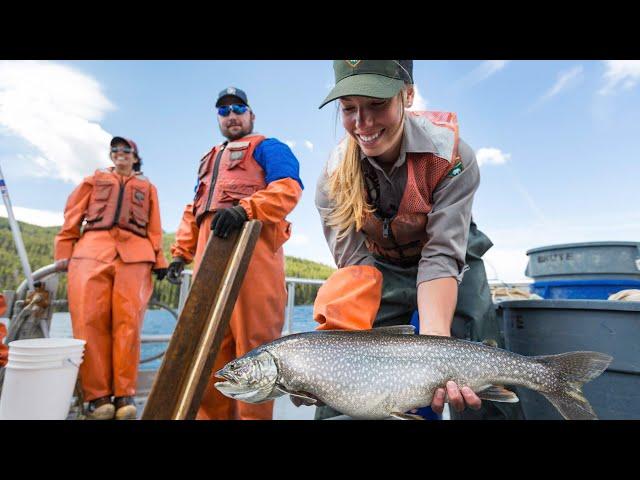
pixel 235 193
pixel 102 191
pixel 95 212
pixel 98 202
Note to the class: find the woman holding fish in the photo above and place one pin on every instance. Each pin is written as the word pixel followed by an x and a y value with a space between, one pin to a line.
pixel 395 200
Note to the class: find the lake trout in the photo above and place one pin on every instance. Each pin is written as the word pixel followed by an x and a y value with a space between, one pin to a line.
pixel 385 372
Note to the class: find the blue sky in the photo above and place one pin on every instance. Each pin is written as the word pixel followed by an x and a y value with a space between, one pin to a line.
pixel 556 139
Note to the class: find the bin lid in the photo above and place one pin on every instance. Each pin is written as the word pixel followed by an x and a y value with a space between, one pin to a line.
pixel 573 305
pixel 583 245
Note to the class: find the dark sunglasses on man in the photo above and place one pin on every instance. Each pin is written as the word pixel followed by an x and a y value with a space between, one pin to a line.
pixel 121 149
pixel 238 109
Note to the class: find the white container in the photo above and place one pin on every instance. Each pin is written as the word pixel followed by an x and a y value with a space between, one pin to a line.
pixel 40 389
pixel 47 346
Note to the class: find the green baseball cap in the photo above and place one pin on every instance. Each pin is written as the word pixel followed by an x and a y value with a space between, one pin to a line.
pixel 369 78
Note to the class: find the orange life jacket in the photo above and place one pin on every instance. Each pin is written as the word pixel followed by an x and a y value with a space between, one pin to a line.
pixel 114 204
pixel 401 238
pixel 227 174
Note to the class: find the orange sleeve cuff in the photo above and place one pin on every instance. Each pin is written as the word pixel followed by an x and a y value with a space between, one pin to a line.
pixel 349 299
pixel 274 203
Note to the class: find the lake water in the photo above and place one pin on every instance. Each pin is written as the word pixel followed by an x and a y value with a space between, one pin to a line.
pixel 161 322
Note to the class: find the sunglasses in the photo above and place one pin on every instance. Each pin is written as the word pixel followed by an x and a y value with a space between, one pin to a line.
pixel 227 109
pixel 121 149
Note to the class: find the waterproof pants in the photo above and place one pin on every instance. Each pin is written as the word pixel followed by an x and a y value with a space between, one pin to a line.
pixel 107 302
pixel 257 318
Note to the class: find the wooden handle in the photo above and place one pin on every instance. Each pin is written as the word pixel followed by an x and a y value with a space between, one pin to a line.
pixel 183 375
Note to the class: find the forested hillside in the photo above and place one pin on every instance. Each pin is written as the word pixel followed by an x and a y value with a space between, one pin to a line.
pixel 39 245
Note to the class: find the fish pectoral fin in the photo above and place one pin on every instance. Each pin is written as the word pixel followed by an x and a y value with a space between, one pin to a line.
pixel 405 416
pixel 299 398
pixel 497 393
pixel 395 330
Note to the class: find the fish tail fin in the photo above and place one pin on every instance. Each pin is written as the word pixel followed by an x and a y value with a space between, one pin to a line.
pixel 574 370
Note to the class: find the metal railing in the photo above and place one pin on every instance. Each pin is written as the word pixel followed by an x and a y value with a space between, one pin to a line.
pixel 187 275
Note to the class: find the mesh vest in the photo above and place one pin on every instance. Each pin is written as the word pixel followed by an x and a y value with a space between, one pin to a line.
pixel 400 238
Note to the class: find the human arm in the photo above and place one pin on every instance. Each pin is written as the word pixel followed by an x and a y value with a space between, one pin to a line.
pixel 184 246
pixel 284 187
pixel 69 233
pixel 351 296
pixel 154 232
pixel 442 265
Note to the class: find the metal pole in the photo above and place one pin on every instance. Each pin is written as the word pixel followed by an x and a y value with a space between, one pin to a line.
pixel 15 229
pixel 291 297
pixel 185 285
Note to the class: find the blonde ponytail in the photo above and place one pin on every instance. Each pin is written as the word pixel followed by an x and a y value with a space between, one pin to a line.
pixel 347 190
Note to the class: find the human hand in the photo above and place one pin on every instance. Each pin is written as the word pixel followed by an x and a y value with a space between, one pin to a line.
pixel 227 220
pixel 160 273
pixel 174 272
pixel 459 398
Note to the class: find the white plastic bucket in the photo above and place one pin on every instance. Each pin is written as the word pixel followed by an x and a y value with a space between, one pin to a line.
pixel 47 346
pixel 40 388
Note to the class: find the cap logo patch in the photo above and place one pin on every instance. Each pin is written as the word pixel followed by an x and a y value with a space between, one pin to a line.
pixel 353 63
pixel 231 91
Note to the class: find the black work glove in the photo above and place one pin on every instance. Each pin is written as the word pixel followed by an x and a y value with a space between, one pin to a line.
pixel 174 272
pixel 160 273
pixel 227 220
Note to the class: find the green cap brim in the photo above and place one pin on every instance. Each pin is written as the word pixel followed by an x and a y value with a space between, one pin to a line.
pixel 365 85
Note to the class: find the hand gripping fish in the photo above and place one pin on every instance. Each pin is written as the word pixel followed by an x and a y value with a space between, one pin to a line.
pixel 375 374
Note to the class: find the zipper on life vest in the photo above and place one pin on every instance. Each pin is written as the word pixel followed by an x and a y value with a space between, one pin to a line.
pixel 119 206
pixel 120 197
pixel 386 228
pixel 214 176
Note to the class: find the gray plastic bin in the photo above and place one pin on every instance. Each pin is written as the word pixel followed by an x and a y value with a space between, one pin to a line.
pixel 547 327
pixel 585 261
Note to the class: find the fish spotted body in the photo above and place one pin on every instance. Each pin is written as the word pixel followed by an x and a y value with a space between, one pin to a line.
pixel 384 372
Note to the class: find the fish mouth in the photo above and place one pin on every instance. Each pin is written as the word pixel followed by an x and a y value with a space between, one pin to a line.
pixel 228 376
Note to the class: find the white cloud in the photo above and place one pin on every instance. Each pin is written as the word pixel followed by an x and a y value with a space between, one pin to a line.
pixel 620 74
pixel 309 145
pixel 492 156
pixel 43 218
pixel 57 110
pixel 565 79
pixel 482 72
pixel 290 143
pixel 419 103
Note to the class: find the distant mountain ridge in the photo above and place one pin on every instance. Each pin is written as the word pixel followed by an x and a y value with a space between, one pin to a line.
pixel 38 242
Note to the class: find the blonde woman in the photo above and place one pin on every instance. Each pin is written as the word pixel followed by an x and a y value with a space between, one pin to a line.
pixel 395 201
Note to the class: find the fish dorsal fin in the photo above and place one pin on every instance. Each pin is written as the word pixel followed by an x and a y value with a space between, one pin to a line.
pixel 497 393
pixel 396 330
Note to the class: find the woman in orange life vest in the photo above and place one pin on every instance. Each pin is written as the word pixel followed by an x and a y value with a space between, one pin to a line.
pixel 109 260
pixel 395 201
